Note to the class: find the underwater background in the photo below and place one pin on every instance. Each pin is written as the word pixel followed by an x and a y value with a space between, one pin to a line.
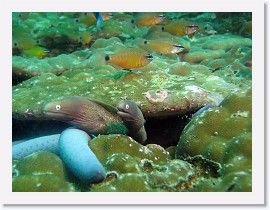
pixel 164 97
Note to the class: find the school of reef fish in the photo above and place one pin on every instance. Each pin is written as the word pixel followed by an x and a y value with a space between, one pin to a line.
pixel 131 102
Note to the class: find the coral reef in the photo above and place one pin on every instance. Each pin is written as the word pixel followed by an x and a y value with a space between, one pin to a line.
pixel 170 64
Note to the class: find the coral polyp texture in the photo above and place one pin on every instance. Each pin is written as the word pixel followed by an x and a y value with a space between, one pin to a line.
pixel 90 69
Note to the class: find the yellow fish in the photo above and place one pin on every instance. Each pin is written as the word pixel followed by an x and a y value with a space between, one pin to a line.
pixel 164 46
pixel 23 42
pixel 180 28
pixel 129 58
pixel 36 51
pixel 148 19
pixel 85 37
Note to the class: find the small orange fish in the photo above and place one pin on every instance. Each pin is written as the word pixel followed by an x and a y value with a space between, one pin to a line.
pixel 180 28
pixel 164 46
pixel 129 58
pixel 148 19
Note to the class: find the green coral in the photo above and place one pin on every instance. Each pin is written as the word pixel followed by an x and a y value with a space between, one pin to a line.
pixel 106 146
pixel 232 182
pixel 227 42
pixel 198 55
pixel 128 182
pixel 40 183
pixel 122 163
pixel 40 172
pixel 41 163
pixel 131 183
pixel 222 134
pixel 181 69
pixel 133 167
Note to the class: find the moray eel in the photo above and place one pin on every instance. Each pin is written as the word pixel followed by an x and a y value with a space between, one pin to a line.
pixel 133 120
pixel 86 114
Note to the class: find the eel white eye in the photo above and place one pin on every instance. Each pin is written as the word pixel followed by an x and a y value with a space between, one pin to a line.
pixel 127 106
pixel 58 107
